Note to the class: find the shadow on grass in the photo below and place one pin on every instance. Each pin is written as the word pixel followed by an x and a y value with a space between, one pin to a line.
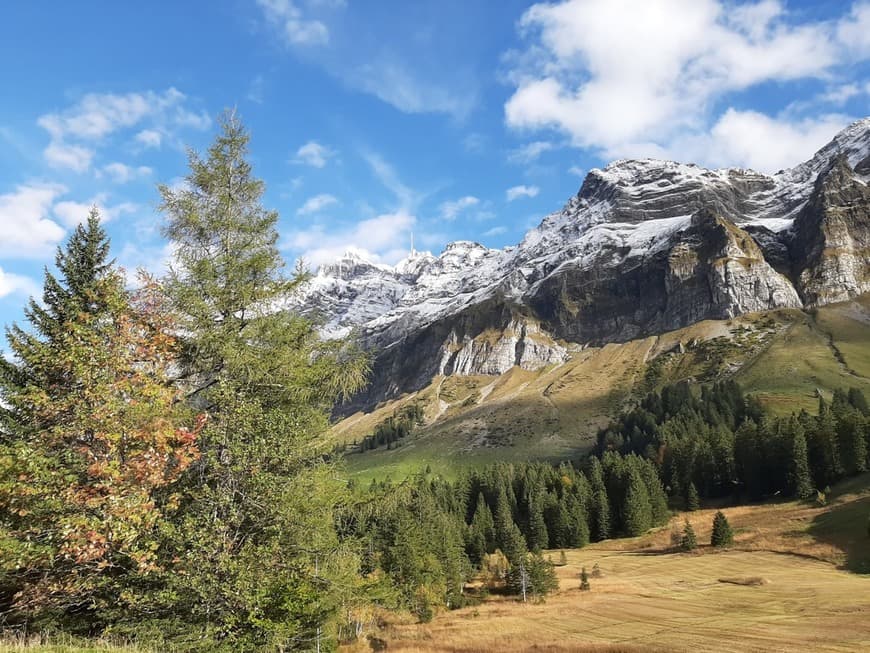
pixel 845 526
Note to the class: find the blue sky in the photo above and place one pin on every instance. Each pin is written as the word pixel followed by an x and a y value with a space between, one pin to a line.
pixel 373 119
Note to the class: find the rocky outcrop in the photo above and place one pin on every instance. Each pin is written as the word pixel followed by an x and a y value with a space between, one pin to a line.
pixel 644 247
pixel 831 241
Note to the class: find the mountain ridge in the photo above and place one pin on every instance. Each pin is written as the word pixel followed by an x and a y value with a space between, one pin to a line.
pixel 644 247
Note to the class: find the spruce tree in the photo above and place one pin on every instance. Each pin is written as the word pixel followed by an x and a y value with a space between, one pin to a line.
pixel 255 544
pixel 693 502
pixel 636 510
pixel 688 542
pixel 96 438
pixel 600 502
pixel 799 472
pixel 722 534
pixel 80 290
pixel 538 537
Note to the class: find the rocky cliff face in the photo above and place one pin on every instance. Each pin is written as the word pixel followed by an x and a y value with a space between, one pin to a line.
pixel 645 246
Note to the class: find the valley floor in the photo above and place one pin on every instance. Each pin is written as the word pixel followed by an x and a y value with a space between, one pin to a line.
pixel 788 584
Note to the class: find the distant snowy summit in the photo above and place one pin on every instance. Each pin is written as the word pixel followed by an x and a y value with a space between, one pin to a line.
pixel 645 246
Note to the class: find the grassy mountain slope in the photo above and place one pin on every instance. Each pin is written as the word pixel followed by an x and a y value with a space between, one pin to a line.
pixel 786 357
pixel 785 585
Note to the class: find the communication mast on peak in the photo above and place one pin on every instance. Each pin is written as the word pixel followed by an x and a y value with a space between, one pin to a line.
pixel 413 251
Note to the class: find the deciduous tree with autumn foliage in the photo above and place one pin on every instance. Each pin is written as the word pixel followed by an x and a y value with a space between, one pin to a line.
pixel 93 438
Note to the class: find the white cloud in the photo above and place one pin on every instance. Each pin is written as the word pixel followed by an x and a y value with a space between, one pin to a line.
pixel 390 80
pixel 316 204
pixel 15 283
pixel 854 30
pixel 297 29
pixel 451 209
pixel 495 231
pixel 70 157
pixel 98 115
pixel 618 76
pixel 149 138
pixel 530 152
pixel 753 140
pixel 386 174
pixel 384 238
pixel 71 213
pixel 517 192
pixel 577 171
pixel 313 154
pixel 27 229
pixel 122 173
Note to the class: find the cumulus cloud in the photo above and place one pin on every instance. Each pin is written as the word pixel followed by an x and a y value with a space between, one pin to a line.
pixel 313 154
pixel 149 138
pixel 71 213
pixel 98 115
pixel 629 76
pixel 121 173
pixel 384 238
pixel 15 283
pixel 28 230
pixel 70 157
pixel 517 192
pixel 317 203
pixel 451 209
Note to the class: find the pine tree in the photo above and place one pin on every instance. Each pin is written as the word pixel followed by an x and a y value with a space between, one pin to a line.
pixel 688 542
pixel 799 473
pixel 255 536
pixel 693 502
pixel 722 534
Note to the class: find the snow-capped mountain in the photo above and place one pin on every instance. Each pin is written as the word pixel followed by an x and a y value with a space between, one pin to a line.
pixel 645 246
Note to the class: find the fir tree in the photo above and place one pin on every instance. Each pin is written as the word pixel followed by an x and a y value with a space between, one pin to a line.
pixel 83 265
pixel 96 440
pixel 799 473
pixel 722 534
pixel 636 510
pixel 693 502
pixel 688 542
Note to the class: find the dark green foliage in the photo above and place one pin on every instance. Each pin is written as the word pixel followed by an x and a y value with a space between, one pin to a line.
pixel 800 480
pixel 713 441
pixel 584 580
pixel 636 512
pixel 722 534
pixel 693 502
pixel 688 542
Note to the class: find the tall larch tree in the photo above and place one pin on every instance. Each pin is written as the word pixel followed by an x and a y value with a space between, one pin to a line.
pixel 256 547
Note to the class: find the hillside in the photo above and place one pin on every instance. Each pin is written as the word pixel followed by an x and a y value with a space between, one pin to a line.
pixel 785 585
pixel 784 357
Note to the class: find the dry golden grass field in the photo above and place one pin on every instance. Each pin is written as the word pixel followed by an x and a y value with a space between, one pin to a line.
pixel 785 585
